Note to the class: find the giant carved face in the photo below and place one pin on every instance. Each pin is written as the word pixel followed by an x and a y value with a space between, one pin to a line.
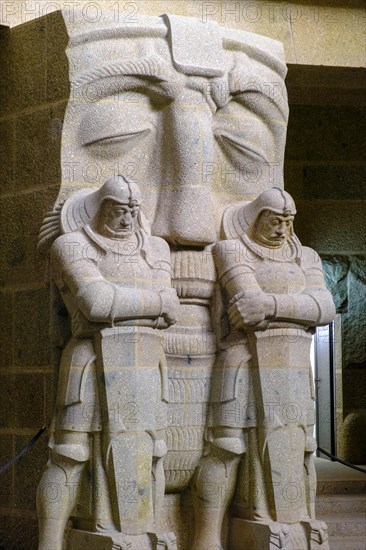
pixel 195 113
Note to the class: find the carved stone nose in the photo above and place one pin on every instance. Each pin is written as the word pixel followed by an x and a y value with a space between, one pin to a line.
pixel 187 192
pixel 281 230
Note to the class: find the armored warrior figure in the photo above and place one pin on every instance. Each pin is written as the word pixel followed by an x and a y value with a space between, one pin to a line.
pixel 115 281
pixel 262 401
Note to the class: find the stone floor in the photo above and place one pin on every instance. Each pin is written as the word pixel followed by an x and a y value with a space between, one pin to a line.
pixel 341 503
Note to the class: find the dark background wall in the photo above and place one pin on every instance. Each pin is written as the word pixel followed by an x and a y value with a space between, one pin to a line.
pixel 33 94
pixel 325 171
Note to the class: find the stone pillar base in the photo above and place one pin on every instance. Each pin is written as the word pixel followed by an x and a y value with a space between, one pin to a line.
pixel 307 535
pixel 317 534
pixel 85 540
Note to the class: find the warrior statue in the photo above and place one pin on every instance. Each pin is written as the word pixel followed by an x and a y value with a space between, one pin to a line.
pixel 115 281
pixel 261 421
pixel 184 106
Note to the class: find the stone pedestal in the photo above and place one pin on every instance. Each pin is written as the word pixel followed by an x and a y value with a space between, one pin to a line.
pixel 84 540
pixel 271 535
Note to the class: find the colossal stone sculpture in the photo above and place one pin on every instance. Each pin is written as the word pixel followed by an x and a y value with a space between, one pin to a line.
pixel 273 294
pixel 112 391
pixel 197 115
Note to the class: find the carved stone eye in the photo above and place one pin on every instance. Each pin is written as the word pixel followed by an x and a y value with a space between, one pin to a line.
pixel 242 135
pixel 118 138
pixel 112 127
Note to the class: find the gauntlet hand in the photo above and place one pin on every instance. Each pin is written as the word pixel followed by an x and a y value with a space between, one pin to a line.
pixel 170 305
pixel 250 308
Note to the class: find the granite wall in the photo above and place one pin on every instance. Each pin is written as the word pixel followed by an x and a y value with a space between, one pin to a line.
pixel 33 95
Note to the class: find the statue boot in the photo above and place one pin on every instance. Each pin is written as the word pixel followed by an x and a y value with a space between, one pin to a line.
pixel 317 534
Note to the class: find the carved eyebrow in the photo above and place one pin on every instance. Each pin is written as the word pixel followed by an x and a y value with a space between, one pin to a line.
pixel 282 218
pixel 153 67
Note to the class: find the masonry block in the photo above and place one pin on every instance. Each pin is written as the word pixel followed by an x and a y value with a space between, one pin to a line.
pixel 31 328
pixel 23 61
pixel 7 400
pixel 6 156
pixel 325 133
pixel 6 330
pixel 38 143
pixel 20 222
pixel 28 472
pixel 57 83
pixel 6 485
pixel 18 533
pixel 332 226
pixel 335 182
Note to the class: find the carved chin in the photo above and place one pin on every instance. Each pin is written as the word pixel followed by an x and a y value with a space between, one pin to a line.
pixel 275 242
pixel 117 234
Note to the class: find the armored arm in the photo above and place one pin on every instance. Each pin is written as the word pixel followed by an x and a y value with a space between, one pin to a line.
pixel 102 301
pixel 314 305
pixel 99 299
pixel 248 303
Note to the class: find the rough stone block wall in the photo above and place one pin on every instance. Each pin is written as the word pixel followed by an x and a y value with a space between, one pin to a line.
pixel 325 172
pixel 33 94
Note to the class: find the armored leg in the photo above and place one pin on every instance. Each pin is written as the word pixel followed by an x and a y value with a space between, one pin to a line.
pixel 159 452
pixel 164 539
pixel 214 486
pixel 310 473
pixel 58 490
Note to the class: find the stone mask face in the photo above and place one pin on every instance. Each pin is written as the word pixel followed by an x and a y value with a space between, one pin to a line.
pixel 195 130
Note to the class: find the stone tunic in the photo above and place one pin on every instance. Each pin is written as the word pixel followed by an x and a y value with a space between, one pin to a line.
pixel 293 276
pixel 83 261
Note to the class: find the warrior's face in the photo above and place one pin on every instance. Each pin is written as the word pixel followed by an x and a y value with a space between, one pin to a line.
pixel 116 220
pixel 272 230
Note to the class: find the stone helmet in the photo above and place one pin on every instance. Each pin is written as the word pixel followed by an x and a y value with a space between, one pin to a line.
pixel 239 217
pixel 120 189
pixel 83 205
pixel 274 199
